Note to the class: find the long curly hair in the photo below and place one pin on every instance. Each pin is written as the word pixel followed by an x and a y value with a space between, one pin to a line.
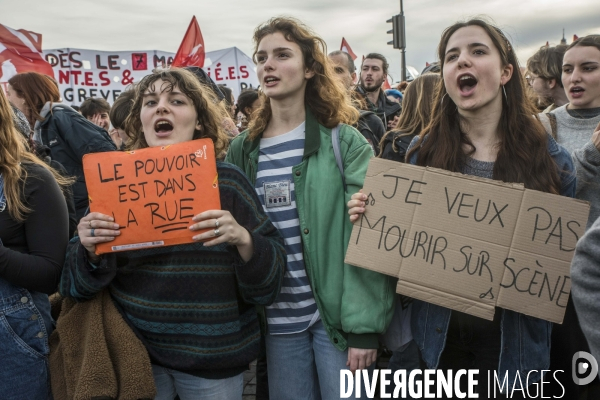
pixel 523 149
pixel 210 115
pixel 13 154
pixel 325 95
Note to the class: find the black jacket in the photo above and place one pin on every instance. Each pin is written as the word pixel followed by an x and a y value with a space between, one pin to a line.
pixel 70 136
pixel 395 146
pixel 371 128
pixel 385 109
pixel 43 153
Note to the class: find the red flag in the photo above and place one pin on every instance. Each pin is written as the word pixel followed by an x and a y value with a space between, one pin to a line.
pixel 346 47
pixel 575 37
pixel 21 51
pixel 191 51
pixel 386 84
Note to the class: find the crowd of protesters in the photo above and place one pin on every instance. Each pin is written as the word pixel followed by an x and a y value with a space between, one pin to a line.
pixel 268 280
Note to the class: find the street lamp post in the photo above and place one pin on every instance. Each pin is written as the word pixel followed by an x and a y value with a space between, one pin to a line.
pixel 404 76
pixel 399 36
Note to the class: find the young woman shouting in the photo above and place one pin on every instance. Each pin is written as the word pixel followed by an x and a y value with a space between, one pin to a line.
pixel 329 314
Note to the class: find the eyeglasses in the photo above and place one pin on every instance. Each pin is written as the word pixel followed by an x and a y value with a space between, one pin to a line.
pixel 531 78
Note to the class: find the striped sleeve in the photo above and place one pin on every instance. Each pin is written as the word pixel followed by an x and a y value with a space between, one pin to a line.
pixel 260 278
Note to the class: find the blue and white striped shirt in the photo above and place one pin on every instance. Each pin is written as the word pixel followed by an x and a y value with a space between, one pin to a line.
pixel 295 309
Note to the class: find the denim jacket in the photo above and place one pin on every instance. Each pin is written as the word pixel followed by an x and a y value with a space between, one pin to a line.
pixel 525 340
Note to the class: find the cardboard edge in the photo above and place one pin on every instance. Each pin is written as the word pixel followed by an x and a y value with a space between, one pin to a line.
pixel 524 312
pixel 437 297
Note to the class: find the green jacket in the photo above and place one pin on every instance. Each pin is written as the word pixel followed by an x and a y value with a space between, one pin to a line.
pixel 355 304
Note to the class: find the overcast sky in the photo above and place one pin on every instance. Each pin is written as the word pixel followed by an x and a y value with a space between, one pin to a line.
pixel 161 24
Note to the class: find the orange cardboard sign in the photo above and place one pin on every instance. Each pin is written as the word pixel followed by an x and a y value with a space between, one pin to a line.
pixel 153 193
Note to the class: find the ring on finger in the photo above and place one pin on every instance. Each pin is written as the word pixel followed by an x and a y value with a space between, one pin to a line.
pixel 216 223
pixel 93 234
pixel 217 233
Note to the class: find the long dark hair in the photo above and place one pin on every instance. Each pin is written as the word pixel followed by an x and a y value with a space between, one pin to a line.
pixel 523 149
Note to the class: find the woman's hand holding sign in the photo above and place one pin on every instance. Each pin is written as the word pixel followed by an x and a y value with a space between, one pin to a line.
pixel 356 205
pixel 223 229
pixel 96 228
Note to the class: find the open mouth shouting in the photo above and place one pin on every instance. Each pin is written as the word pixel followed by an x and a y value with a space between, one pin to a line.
pixel 163 127
pixel 576 92
pixel 467 84
pixel 270 81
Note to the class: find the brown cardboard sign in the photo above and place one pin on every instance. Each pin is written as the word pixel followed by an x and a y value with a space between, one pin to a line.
pixel 468 243
pixel 153 193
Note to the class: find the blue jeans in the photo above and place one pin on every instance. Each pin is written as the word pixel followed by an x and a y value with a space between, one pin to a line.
pixel 473 343
pixel 25 325
pixel 406 358
pixel 305 365
pixel 170 383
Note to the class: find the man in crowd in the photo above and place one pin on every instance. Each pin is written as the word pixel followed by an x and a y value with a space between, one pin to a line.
pixel 545 76
pixel 118 114
pixel 96 110
pixel 368 124
pixel 344 67
pixel 373 73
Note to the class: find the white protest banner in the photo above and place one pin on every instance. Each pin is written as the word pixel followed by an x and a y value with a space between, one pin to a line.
pixel 104 74
pixel 233 68
pixel 467 243
pixel 85 73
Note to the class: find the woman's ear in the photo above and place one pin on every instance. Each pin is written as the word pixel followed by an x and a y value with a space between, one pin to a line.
pixel 308 73
pixel 507 72
pixel 198 126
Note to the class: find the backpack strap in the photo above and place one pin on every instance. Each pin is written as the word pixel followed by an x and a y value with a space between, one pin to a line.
pixel 549 122
pixel 553 126
pixel 335 141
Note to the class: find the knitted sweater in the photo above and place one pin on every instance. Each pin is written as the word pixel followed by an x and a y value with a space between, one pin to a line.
pixel 574 134
pixel 192 306
pixel 585 275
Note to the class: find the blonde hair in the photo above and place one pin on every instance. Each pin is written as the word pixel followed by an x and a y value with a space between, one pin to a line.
pixel 325 95
pixel 210 115
pixel 417 104
pixel 13 152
